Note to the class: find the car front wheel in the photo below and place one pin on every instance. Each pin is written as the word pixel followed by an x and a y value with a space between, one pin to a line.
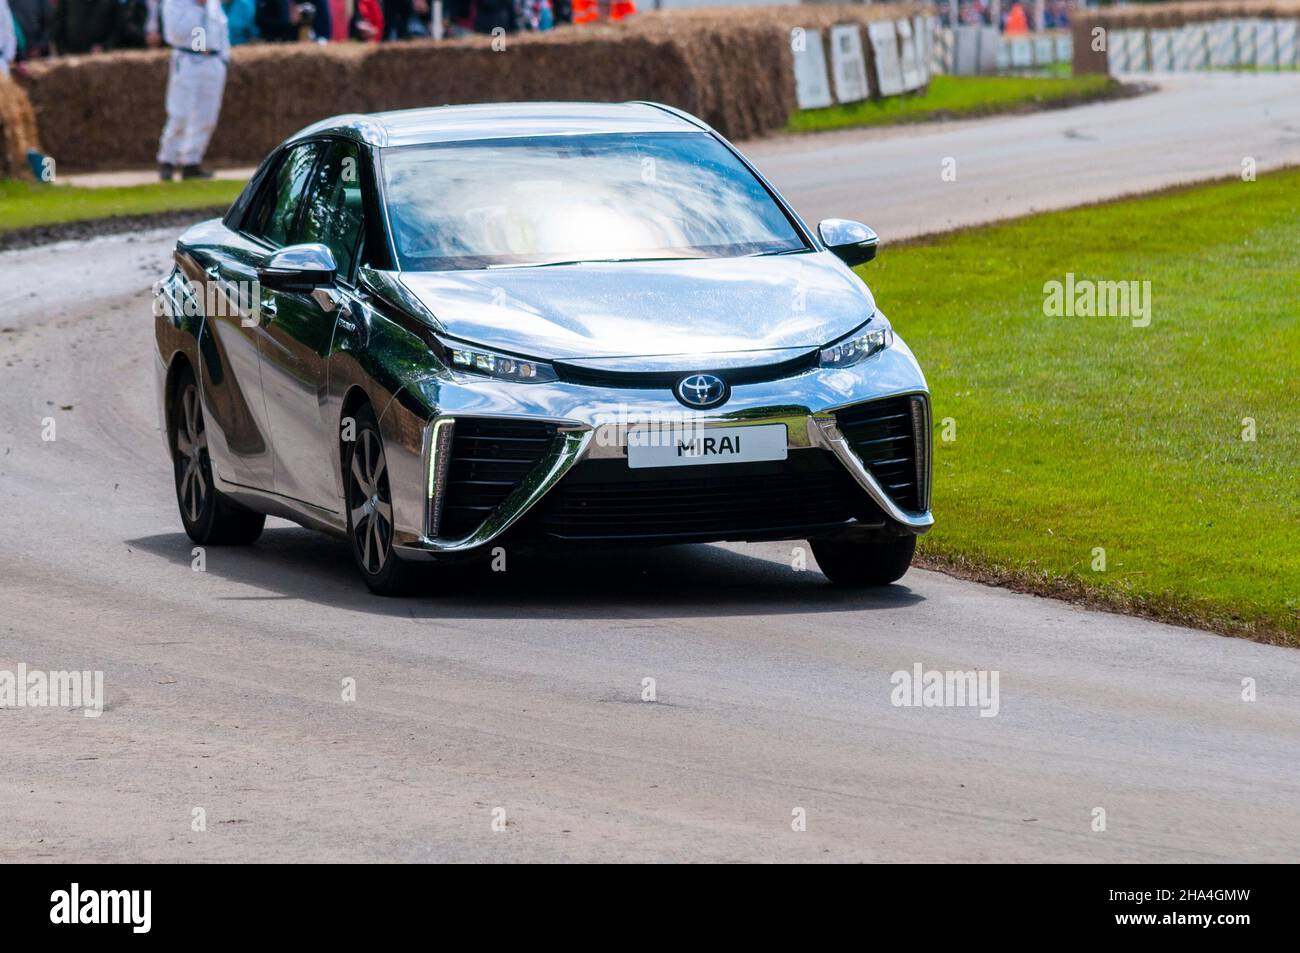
pixel 370 511
pixel 864 562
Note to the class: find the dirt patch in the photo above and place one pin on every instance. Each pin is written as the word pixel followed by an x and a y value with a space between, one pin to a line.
pixel 98 228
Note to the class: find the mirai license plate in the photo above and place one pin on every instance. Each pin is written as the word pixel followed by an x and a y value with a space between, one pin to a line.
pixel 688 446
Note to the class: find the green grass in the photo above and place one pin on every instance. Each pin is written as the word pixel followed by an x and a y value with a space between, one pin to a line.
pixel 25 204
pixel 953 96
pixel 1075 433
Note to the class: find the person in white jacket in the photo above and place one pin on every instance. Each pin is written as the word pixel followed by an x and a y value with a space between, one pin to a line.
pixel 8 38
pixel 197 33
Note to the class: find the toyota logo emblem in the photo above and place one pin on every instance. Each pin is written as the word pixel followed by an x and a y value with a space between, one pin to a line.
pixel 702 390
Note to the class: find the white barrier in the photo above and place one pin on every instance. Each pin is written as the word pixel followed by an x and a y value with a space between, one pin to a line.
pixel 1249 43
pixel 811 88
pixel 981 49
pixel 945 51
pixel 1190 48
pixel 1117 50
pixel 884 50
pixel 848 65
pixel 990 39
pixel 966 55
pixel 1162 50
pixel 1286 43
pixel 1138 58
pixel 921 45
pixel 1266 44
pixel 1044 51
pixel 907 57
pixel 902 54
pixel 1223 44
pixel 1065 48
pixel 1245 42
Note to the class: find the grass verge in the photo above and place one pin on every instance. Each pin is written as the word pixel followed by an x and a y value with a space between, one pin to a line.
pixel 1075 435
pixel 25 205
pixel 952 97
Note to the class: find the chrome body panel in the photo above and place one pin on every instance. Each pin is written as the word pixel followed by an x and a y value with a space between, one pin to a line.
pixel 823 432
pixel 295 349
pixel 805 404
pixel 673 363
pixel 678 308
pixel 569 448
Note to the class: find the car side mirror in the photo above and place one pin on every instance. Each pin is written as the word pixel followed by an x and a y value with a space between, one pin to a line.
pixel 298 268
pixel 852 242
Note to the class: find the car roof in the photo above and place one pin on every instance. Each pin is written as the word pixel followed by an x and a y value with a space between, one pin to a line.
pixel 502 120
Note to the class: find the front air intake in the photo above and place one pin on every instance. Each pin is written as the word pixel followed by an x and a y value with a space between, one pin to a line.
pixel 490 457
pixel 892 439
pixel 807 493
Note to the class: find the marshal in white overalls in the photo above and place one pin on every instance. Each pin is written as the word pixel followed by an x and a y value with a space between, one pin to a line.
pixel 200 41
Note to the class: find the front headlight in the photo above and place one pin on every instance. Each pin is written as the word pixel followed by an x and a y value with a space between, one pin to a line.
pixel 506 367
pixel 875 336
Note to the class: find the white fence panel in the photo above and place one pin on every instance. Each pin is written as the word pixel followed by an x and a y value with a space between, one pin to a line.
pixel 848 65
pixel 812 90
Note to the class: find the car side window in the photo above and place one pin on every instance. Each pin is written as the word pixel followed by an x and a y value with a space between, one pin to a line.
pixel 278 206
pixel 333 212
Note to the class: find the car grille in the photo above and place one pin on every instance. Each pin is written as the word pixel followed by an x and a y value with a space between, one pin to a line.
pixel 604 499
pixel 648 380
pixel 886 435
pixel 489 458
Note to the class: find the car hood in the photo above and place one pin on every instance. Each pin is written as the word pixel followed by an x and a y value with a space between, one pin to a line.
pixel 649 308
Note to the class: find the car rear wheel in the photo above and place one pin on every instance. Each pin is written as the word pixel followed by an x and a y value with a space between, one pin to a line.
pixel 866 562
pixel 211 518
pixel 370 511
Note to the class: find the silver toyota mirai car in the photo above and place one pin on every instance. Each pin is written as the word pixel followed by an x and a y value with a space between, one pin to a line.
pixel 437 332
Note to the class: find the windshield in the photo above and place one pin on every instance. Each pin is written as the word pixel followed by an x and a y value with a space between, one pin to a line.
pixel 534 201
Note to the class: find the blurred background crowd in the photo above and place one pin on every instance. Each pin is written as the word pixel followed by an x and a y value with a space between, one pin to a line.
pixel 30 29
pixel 50 27
pixel 1010 16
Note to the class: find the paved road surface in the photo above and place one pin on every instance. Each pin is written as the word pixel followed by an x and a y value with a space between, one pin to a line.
pixel 522 691
pixel 1199 126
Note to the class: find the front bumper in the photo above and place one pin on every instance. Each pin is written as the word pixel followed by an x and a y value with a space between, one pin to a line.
pixel 591 423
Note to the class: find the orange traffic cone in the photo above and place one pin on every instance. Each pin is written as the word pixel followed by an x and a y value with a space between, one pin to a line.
pixel 584 11
pixel 618 9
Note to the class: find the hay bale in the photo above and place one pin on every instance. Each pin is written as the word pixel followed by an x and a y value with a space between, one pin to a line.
pixel 1086 59
pixel 17 130
pixel 95 112
pixel 733 68
pixel 273 90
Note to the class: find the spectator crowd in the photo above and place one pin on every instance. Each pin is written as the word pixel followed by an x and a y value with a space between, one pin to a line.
pixel 30 29
pixel 1010 16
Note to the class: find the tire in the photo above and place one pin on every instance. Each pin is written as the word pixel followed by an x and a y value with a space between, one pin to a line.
pixel 210 517
pixel 370 511
pixel 864 563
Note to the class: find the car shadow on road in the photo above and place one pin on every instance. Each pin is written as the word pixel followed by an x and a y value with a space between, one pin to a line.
pixel 669 581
